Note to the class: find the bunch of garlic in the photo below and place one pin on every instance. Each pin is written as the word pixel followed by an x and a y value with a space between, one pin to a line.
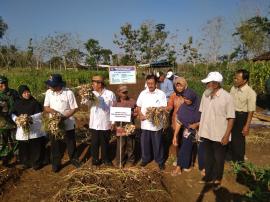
pixel 55 125
pixel 24 121
pixel 129 129
pixel 86 94
pixel 158 116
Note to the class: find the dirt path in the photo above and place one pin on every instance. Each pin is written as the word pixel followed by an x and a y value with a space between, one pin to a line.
pixel 41 185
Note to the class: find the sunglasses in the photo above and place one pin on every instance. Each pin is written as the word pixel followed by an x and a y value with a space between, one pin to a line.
pixel 97 81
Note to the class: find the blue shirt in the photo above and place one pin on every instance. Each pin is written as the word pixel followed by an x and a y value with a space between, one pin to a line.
pixel 167 88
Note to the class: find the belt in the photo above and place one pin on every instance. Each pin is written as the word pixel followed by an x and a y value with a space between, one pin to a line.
pixel 237 112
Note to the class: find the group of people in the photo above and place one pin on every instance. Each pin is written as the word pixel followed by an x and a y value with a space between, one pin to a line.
pixel 215 125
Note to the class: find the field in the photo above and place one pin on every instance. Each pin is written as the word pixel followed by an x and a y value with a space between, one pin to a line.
pixel 239 184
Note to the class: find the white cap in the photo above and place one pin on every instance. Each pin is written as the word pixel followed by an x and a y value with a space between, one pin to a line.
pixel 169 74
pixel 213 76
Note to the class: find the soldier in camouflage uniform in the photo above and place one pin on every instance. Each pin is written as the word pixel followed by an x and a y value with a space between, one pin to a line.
pixel 7 98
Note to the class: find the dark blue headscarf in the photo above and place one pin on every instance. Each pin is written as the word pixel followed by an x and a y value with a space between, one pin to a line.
pixel 189 114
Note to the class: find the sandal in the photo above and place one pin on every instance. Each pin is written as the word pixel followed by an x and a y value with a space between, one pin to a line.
pixel 187 169
pixel 203 172
pixel 217 182
pixel 176 172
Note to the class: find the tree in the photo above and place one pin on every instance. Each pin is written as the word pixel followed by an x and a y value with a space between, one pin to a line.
pixel 58 45
pixel 145 44
pixel 254 35
pixel 3 27
pixel 115 59
pixel 106 56
pixel 40 52
pixel 73 57
pixel 30 52
pixel 171 57
pixel 152 42
pixel 97 54
pixel 189 53
pixel 128 40
pixel 55 62
pixel 213 38
pixel 93 48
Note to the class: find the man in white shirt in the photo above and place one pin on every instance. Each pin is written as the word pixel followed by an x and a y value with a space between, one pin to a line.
pixel 216 123
pixel 99 123
pixel 58 98
pixel 151 137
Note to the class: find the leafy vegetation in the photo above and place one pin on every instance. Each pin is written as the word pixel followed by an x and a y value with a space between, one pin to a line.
pixel 256 178
pixel 35 78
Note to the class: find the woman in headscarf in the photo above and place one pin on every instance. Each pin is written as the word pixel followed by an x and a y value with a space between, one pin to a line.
pixel 188 117
pixel 32 144
pixel 175 101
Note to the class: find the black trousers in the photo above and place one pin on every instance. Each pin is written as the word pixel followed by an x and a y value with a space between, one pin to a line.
pixel 238 143
pixel 58 147
pixel 214 159
pixel 100 138
pixel 32 152
pixel 127 149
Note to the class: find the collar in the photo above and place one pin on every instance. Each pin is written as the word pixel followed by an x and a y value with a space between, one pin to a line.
pixel 103 90
pixel 58 92
pixel 243 88
pixel 218 93
pixel 155 91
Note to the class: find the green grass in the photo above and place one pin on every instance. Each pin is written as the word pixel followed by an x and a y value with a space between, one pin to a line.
pixel 35 78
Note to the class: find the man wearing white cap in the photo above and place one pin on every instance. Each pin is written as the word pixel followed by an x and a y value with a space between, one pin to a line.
pixel 216 123
pixel 166 84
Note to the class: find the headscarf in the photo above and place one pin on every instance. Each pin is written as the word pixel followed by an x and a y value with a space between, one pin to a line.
pixel 26 106
pixel 22 88
pixel 179 80
pixel 189 114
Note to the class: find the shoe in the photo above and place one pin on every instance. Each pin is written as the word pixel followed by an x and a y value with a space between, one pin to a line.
pixel 143 164
pixel 75 162
pixel 56 168
pixel 161 167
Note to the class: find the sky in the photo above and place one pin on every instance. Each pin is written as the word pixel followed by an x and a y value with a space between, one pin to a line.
pixel 101 19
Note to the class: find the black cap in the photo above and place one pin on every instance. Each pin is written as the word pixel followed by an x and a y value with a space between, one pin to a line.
pixel 55 81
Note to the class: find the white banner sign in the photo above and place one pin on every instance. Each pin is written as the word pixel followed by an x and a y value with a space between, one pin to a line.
pixel 122 114
pixel 122 74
